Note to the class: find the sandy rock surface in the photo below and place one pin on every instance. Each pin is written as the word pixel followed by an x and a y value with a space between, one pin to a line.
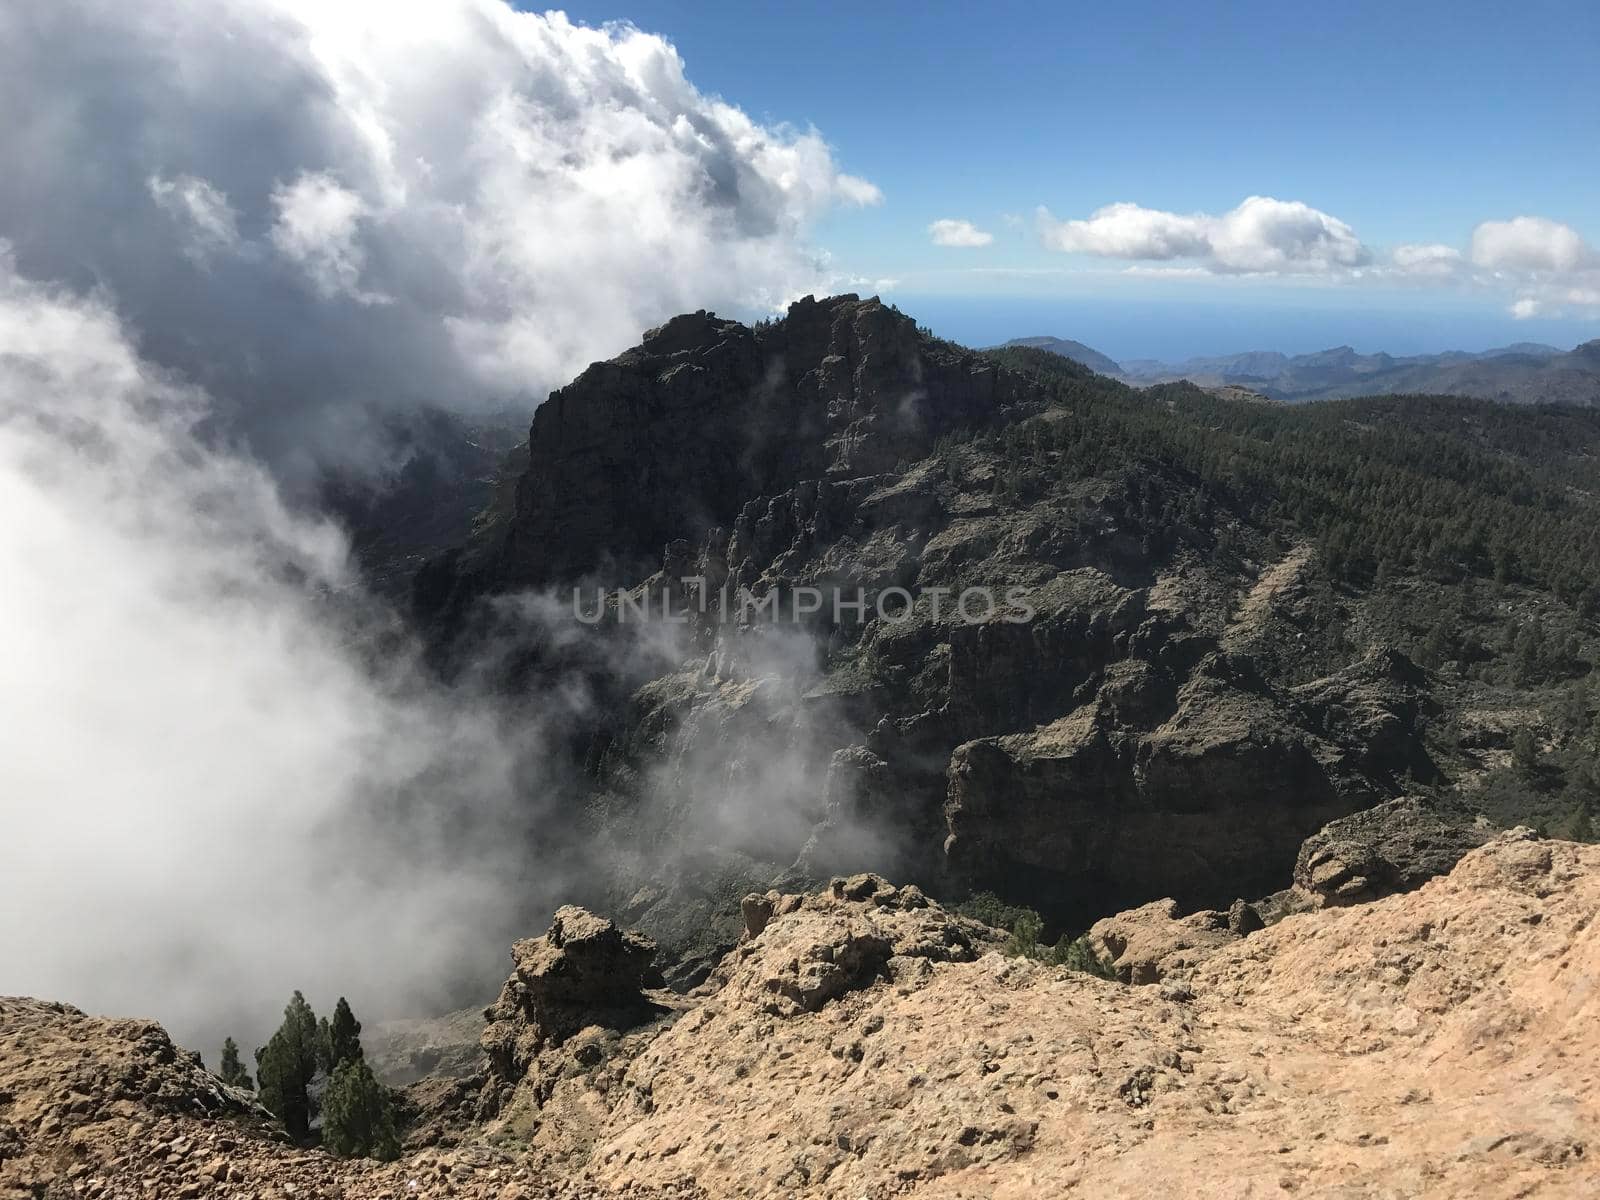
pixel 864 1042
pixel 1441 1043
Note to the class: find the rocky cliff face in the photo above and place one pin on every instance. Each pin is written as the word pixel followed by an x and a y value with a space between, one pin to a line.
pixel 1210 791
pixel 674 437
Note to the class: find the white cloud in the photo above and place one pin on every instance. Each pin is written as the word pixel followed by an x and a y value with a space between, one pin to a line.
pixel 1264 234
pixel 1530 244
pixel 212 225
pixel 316 228
pixel 1127 231
pixel 1553 298
pixel 859 192
pixel 1554 270
pixel 1545 267
pixel 1426 258
pixel 1260 236
pixel 527 194
pixel 949 231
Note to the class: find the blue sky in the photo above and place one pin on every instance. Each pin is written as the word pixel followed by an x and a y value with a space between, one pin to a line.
pixel 1409 124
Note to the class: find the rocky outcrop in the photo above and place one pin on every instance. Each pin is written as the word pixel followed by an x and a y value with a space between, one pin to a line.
pixel 1372 709
pixel 584 972
pixel 1347 1051
pixel 1213 801
pixel 64 1069
pixel 1394 847
pixel 112 1110
pixel 800 952
pixel 1152 943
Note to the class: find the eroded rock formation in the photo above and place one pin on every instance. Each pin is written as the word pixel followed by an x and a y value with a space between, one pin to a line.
pixel 584 971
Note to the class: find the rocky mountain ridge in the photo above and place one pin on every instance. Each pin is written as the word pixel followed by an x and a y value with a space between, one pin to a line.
pixel 1195 690
pixel 1524 373
pixel 1076 351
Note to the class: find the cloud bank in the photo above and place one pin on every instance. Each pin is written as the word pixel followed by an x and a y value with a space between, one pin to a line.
pixel 221 780
pixel 241 235
pixel 949 231
pixel 224 771
pixel 1553 268
pixel 1261 235
pixel 1546 266
pixel 321 210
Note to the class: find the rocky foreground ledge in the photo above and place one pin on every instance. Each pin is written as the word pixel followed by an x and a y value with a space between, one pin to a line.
pixel 865 1042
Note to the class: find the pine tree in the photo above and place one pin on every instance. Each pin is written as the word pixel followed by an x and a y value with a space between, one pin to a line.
pixel 325 1060
pixel 1436 646
pixel 358 1114
pixel 1524 749
pixel 286 1065
pixel 232 1070
pixel 1583 823
pixel 345 1037
pixel 1529 649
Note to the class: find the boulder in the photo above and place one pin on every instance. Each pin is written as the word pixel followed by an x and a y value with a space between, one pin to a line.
pixel 1151 943
pixel 1394 847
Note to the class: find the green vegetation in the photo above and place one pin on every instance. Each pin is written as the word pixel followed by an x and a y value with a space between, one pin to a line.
pixel 994 912
pixel 232 1070
pixel 1026 927
pixel 286 1066
pixel 1582 827
pixel 1440 486
pixel 338 1040
pixel 358 1112
pixel 345 1035
pixel 324 1046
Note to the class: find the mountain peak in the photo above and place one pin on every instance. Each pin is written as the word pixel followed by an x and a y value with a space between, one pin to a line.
pixel 1076 351
pixel 668 439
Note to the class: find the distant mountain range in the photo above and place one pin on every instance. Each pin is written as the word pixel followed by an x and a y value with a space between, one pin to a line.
pixel 1524 373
